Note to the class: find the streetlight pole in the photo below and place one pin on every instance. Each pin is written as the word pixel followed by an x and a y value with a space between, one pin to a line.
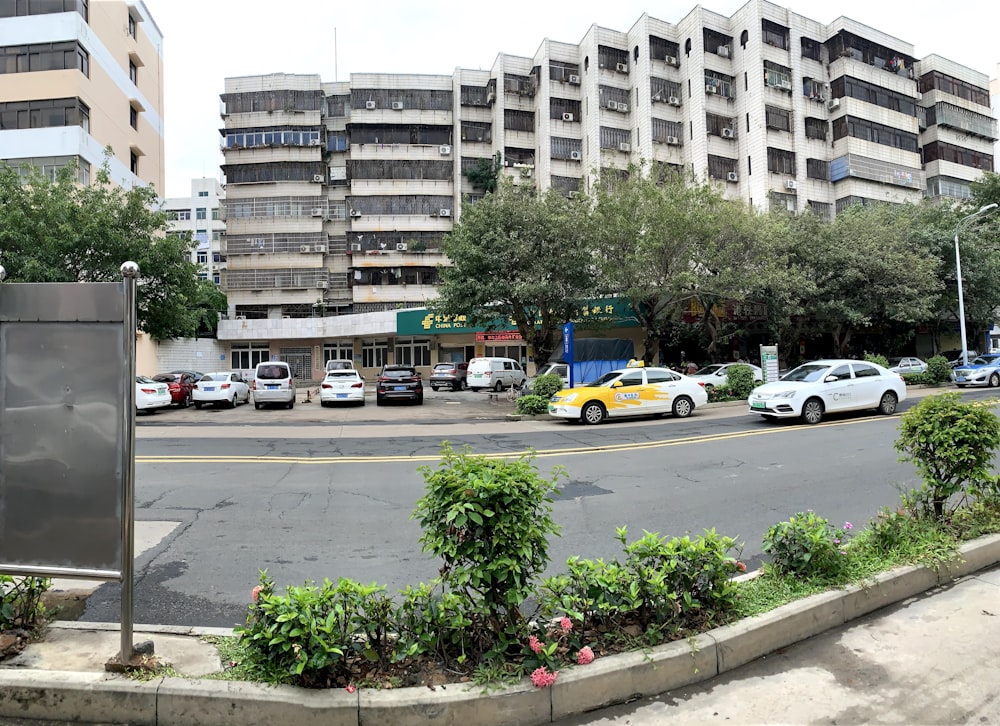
pixel 958 274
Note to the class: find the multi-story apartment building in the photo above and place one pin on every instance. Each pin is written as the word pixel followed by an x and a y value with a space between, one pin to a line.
pixel 79 76
pixel 200 215
pixel 339 193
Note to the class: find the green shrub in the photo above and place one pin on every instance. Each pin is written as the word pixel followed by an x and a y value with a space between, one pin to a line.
pixel 916 379
pixel 938 369
pixel 806 545
pixel 952 444
pixel 489 520
pixel 740 380
pixel 532 405
pixel 662 583
pixel 877 359
pixel 315 633
pixel 547 385
pixel 435 624
pixel 719 394
pixel 21 601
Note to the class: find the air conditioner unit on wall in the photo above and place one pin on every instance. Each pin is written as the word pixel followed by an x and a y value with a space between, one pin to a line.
pixel 728 133
pixel 397 105
pixel 674 101
pixel 575 155
pixel 315 142
pixel 322 284
pixel 672 60
pixel 370 105
pixel 574 79
pixel 625 146
pixel 444 150
pixel 526 171
pixel 711 89
pixel 318 178
pixel 444 212
pixel 319 248
pixel 613 105
pixel 790 184
pixel 567 117
pixel 623 107
pixel 355 212
pixel 622 67
pixel 305 248
pixel 732 176
pixel 723 50
pixel 355 246
pixel 834 103
pixel 316 212
pixel 401 246
pixel 673 141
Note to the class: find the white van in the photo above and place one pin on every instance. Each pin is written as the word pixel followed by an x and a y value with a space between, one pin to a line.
pixel 495 373
pixel 273 383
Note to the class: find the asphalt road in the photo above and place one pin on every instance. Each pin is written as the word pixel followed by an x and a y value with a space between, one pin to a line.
pixel 309 501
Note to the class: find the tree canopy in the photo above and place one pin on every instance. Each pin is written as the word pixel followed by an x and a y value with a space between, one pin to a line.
pixel 56 230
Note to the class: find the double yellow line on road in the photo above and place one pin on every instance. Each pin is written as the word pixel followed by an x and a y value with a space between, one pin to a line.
pixel 540 453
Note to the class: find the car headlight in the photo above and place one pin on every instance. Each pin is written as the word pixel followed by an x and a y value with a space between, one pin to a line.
pixel 784 394
pixel 568 398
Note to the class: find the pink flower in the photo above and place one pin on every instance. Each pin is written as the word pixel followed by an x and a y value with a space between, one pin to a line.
pixel 836 540
pixel 741 566
pixel 566 624
pixel 350 689
pixel 848 525
pixel 535 644
pixel 843 552
pixel 542 678
pixel 255 593
pixel 585 656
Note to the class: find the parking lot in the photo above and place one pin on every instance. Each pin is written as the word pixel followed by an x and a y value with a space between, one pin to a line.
pixel 442 406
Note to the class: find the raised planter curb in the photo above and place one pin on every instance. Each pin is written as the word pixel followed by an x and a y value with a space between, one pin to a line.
pixel 52 695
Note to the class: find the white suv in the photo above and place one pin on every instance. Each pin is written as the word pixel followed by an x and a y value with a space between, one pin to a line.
pixel 273 383
pixel 495 373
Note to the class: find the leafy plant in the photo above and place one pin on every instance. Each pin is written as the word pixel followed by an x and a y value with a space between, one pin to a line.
pixel 807 545
pixel 952 444
pixel 938 369
pixel 877 359
pixel 436 624
pixel 532 405
pixel 485 173
pixel 21 601
pixel 489 520
pixel 740 380
pixel 547 385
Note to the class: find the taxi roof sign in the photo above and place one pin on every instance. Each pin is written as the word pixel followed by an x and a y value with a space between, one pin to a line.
pixel 636 363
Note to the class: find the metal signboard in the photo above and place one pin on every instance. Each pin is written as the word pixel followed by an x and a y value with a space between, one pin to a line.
pixel 769 362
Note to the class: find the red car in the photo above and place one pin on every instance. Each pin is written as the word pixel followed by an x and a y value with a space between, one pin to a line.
pixel 181 386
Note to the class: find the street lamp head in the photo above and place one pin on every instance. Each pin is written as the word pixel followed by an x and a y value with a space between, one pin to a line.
pixel 987 208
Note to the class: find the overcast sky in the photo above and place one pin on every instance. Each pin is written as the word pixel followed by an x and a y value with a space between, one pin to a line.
pixel 206 41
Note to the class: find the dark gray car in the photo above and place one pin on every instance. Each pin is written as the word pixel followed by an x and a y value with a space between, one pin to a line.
pixel 449 375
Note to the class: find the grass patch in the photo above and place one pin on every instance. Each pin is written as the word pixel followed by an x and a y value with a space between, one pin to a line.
pixel 240 662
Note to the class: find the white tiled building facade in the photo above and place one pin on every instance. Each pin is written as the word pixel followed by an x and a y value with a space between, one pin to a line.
pixel 201 216
pixel 338 193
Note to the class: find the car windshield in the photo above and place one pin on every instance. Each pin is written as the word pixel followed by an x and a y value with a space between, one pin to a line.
pixel 983 361
pixel 166 378
pixel 399 373
pixel 708 370
pixel 444 366
pixel 895 361
pixel 607 378
pixel 213 377
pixel 809 373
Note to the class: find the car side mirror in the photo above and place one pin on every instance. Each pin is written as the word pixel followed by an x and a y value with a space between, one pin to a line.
pixel 617 384
pixel 831 379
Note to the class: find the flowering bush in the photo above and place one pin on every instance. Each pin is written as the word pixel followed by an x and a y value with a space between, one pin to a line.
pixel 550 647
pixel 807 545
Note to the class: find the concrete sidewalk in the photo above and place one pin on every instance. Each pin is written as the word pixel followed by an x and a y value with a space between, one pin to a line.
pixel 930 655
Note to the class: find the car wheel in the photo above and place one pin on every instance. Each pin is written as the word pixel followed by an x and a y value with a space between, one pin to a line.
pixel 379 401
pixel 257 405
pixel 197 404
pixel 461 385
pixel 361 402
pixel 812 411
pixel 960 385
pixel 184 402
pixel 683 406
pixel 419 401
pixel 995 380
pixel 434 388
pixel 498 386
pixel 887 405
pixel 592 413
pixel 324 404
pixel 232 404
pixel 291 404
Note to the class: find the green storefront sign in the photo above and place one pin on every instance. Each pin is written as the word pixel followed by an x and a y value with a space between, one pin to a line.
pixel 607 311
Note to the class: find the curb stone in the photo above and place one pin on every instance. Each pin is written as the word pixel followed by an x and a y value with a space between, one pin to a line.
pixel 52 695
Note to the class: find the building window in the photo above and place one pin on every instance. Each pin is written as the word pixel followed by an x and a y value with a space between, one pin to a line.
pixel 133 73
pixel 860 128
pixel 774 34
pixel 202 194
pixel 340 350
pixel 202 257
pixel 941 151
pixel 64 55
pixel 246 356
pixel 215 214
pixel 816 128
pixel 413 351
pixel 133 117
pixel 44 113
pixel 201 213
pixel 183 214
pixel 215 236
pixel 374 353
pixel 131 26
pixel 818 169
pixel 216 278
pixel 778 118
pixel 780 161
pixel 719 167
pixel 811 48
pixel 133 163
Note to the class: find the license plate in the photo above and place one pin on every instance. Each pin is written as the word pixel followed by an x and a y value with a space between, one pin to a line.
pixel 209 388
pixel 758 404
pixel 399 388
pixel 341 395
pixel 960 379
pixel 272 388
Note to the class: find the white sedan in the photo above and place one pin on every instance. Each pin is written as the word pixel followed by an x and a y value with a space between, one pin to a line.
pixel 221 387
pixel 150 395
pixel 632 391
pixel 342 386
pixel 828 386
pixel 717 374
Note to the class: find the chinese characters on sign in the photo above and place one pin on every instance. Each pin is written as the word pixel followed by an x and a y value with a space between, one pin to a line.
pixel 442 322
pixel 507 335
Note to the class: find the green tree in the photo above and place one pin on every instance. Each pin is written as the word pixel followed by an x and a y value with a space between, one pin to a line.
pixel 518 256
pixel 486 173
pixel 55 230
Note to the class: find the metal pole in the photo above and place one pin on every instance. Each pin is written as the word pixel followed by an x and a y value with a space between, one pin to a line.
pixel 130 271
pixel 958 274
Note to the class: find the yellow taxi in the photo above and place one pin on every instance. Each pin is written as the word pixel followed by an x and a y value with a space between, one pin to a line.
pixel 631 391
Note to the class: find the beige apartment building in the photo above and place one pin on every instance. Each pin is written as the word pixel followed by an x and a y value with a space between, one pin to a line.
pixel 77 76
pixel 338 194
